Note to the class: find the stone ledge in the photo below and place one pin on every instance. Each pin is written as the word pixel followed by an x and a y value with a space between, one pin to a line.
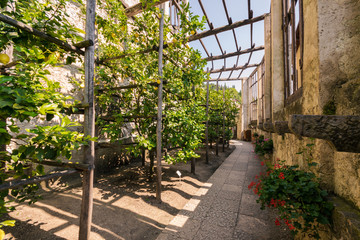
pixel 346 220
pixel 281 127
pixel 269 127
pixel 342 131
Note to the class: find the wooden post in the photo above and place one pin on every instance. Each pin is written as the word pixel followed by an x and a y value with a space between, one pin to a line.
pixel 223 141
pixel 3 146
pixel 159 111
pixel 207 122
pixel 217 126
pixel 143 157
pixel 89 125
pixel 193 160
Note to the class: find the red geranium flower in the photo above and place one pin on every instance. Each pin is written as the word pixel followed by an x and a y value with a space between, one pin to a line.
pixel 277 222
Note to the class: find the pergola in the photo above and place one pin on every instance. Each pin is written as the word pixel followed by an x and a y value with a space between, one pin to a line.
pixel 86 48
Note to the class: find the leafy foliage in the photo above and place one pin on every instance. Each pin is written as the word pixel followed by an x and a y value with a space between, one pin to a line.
pixel 182 73
pixel 28 94
pixel 220 105
pixel 263 145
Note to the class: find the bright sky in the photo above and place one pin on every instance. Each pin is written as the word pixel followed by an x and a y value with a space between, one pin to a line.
pixel 238 10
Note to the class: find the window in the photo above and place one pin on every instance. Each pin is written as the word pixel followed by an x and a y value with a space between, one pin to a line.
pixel 253 85
pixel 293 45
pixel 261 88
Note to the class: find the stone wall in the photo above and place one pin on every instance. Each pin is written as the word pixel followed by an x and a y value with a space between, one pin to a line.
pixel 331 85
pixel 331 67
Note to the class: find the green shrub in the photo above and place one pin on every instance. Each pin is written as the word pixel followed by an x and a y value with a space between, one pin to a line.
pixel 296 194
pixel 263 145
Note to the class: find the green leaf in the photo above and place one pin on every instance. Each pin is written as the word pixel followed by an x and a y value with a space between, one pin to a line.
pixel 21 136
pixel 4 79
pixel 4 103
pixel 80 30
pixel 40 169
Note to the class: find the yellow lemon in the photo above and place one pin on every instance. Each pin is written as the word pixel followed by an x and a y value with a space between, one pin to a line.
pixel 2 234
pixel 113 35
pixel 4 58
pixel 187 46
pixel 192 32
pixel 156 88
pixel 159 15
pixel 158 81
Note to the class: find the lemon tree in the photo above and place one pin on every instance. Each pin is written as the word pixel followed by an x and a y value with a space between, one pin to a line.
pixel 182 72
pixel 27 93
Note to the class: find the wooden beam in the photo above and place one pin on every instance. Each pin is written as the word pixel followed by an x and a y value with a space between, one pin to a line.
pixel 138 8
pixel 226 79
pixel 155 84
pixel 84 44
pixel 194 37
pixel 23 182
pixel 226 28
pixel 233 54
pixel 112 118
pixel 78 166
pixel 27 28
pixel 234 68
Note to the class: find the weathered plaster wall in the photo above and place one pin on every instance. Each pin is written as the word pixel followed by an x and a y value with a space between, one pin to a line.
pixel 331 72
pixel 339 38
pixel 277 59
pixel 267 59
pixel 239 124
pixel 339 41
pixel 311 59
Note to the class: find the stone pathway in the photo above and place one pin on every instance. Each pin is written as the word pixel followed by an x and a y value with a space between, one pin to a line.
pixel 224 207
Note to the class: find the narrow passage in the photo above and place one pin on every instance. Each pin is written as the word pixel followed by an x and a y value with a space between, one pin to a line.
pixel 224 207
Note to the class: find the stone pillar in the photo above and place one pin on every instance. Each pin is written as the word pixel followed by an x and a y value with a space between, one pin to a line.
pixel 267 78
pixel 259 95
pixel 277 59
pixel 245 105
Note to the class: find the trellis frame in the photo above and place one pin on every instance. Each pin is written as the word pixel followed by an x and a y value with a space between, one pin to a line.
pixel 88 165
